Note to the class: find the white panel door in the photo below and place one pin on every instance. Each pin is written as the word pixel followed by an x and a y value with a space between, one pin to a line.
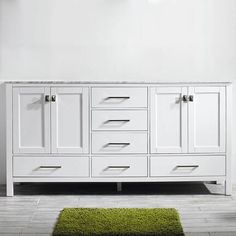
pixel 168 120
pixel 207 119
pixel 31 120
pixel 69 120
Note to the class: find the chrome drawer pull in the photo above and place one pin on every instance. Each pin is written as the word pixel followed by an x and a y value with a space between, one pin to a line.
pixel 49 167
pixel 184 168
pixel 118 144
pixel 189 166
pixel 118 167
pixel 117 121
pixel 122 97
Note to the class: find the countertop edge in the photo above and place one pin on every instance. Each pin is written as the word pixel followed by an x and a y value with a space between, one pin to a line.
pixel 115 82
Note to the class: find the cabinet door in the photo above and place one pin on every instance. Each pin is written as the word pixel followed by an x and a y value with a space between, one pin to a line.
pixel 207 119
pixel 168 120
pixel 69 120
pixel 31 120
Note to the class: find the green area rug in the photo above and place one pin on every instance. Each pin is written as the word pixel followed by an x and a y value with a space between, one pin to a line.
pixel 118 221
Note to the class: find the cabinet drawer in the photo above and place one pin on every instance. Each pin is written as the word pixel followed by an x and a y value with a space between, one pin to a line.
pixel 51 166
pixel 119 120
pixel 187 166
pixel 119 142
pixel 119 97
pixel 119 166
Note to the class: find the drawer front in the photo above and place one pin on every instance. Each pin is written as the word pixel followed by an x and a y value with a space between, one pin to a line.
pixel 119 120
pixel 187 166
pixel 119 97
pixel 119 142
pixel 119 166
pixel 51 167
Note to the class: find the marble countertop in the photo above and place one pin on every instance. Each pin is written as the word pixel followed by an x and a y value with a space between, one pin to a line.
pixel 111 82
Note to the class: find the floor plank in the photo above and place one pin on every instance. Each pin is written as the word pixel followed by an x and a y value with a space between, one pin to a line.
pixel 203 209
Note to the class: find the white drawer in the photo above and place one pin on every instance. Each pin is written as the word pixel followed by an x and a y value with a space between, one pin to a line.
pixel 119 120
pixel 187 166
pixel 50 166
pixel 119 97
pixel 119 142
pixel 119 166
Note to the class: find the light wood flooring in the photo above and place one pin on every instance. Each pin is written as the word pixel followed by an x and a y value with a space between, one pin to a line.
pixel 34 209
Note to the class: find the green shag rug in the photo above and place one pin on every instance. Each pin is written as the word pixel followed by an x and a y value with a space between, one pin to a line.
pixel 118 222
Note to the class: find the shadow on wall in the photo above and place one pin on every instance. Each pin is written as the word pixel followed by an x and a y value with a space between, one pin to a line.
pixel 2 134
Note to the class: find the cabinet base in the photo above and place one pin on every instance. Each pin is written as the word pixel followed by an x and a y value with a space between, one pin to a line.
pixel 227 185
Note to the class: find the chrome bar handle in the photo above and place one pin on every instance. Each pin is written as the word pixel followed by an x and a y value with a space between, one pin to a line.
pixel 188 166
pixel 118 144
pixel 117 121
pixel 50 167
pixel 117 97
pixel 118 167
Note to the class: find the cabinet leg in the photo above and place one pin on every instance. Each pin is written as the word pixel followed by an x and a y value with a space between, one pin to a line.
pixel 228 188
pixel 10 189
pixel 119 187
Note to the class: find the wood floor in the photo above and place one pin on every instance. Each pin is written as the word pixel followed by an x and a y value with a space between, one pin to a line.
pixel 203 209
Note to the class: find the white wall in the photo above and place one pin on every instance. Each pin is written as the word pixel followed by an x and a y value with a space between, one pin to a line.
pixel 167 40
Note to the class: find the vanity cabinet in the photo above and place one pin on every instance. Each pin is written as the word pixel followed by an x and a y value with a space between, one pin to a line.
pixel 118 132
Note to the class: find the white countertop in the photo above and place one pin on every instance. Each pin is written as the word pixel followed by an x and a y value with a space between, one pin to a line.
pixel 111 82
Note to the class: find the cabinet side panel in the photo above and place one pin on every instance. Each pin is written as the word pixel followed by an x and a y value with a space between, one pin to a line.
pixel 228 182
pixel 9 178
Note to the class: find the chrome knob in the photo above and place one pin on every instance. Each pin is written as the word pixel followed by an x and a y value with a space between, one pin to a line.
pixel 47 98
pixel 53 98
pixel 190 98
pixel 185 98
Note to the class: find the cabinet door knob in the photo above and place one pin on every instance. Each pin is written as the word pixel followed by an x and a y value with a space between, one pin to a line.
pixel 185 98
pixel 53 98
pixel 47 98
pixel 190 98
